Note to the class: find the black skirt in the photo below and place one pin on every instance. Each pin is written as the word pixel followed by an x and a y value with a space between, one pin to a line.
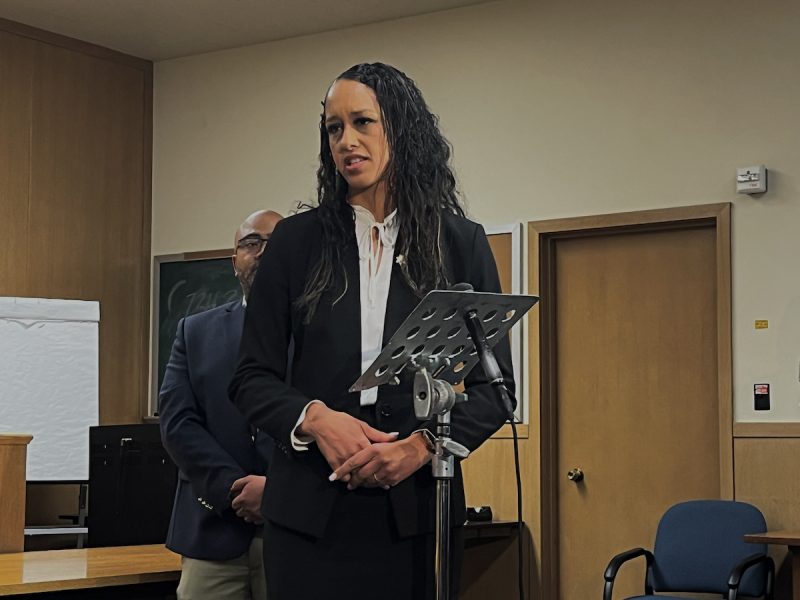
pixel 360 556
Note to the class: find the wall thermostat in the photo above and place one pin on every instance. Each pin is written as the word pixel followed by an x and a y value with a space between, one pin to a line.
pixel 751 180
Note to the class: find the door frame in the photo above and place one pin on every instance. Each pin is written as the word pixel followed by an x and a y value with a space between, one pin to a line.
pixel 542 237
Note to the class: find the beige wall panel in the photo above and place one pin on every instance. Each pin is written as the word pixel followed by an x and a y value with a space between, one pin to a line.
pixel 489 477
pixel 16 71
pixel 765 476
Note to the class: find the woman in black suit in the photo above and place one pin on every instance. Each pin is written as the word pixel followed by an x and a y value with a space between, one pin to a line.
pixel 349 504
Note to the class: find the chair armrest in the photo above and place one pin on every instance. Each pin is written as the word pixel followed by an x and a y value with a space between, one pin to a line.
pixel 616 563
pixel 738 572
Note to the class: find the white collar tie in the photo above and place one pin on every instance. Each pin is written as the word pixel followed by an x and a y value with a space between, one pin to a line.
pixel 387 236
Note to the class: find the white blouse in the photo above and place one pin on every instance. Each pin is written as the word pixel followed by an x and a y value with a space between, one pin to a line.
pixel 375 257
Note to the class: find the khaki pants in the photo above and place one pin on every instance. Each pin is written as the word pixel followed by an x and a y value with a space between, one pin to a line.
pixel 238 579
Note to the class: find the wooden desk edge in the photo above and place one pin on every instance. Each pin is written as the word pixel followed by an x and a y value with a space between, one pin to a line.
pixel 784 538
pixel 164 566
pixel 489 530
pixel 490 524
pixel 87 583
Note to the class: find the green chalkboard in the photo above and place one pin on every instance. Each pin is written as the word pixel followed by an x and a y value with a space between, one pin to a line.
pixel 186 287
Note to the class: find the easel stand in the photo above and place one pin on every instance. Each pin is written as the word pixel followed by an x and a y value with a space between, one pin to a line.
pixel 435 344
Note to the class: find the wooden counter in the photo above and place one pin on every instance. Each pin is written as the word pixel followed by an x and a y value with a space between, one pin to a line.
pixel 52 570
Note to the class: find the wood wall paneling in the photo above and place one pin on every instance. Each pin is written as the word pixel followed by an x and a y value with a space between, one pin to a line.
pixel 502 247
pixel 489 473
pixel 75 215
pixel 765 475
pixel 16 69
pixel 86 199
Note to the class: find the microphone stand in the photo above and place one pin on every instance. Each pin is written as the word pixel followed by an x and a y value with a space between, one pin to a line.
pixel 434 396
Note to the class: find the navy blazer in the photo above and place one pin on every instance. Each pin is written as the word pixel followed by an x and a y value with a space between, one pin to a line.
pixel 206 436
pixel 327 360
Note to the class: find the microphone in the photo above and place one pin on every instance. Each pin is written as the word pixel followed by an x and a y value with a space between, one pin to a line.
pixel 485 354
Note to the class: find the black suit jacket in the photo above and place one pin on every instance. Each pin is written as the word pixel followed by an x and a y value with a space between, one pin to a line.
pixel 327 360
pixel 206 436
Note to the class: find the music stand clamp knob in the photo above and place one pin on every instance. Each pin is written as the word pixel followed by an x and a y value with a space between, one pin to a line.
pixel 433 396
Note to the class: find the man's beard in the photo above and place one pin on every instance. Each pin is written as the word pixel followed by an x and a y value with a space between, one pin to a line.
pixel 246 280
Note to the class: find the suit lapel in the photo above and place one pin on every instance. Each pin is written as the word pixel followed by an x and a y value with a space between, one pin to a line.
pixel 232 325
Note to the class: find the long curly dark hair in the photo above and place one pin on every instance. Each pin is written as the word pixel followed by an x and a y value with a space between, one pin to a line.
pixel 419 183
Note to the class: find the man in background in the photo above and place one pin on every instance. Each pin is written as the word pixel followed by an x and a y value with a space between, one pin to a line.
pixel 216 518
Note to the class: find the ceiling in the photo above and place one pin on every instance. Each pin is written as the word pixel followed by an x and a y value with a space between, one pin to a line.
pixel 164 29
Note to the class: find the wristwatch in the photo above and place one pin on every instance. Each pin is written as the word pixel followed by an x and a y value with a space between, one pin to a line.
pixel 430 440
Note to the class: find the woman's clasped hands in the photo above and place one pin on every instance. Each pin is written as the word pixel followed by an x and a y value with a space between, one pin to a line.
pixel 360 455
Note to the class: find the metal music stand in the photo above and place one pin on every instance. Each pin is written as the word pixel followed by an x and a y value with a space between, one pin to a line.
pixel 434 344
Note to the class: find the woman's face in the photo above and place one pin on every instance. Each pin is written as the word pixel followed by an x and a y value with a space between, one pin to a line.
pixel 356 136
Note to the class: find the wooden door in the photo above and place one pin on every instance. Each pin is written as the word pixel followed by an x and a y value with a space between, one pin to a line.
pixel 633 395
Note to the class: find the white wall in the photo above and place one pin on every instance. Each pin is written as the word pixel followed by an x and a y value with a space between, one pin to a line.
pixel 555 109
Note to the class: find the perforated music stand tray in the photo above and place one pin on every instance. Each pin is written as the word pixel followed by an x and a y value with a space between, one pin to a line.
pixel 436 333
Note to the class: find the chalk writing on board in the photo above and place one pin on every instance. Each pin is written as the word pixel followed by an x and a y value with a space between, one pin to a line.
pixel 187 288
pixel 197 301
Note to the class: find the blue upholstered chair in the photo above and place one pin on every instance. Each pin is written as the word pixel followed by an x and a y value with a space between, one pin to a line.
pixel 700 549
